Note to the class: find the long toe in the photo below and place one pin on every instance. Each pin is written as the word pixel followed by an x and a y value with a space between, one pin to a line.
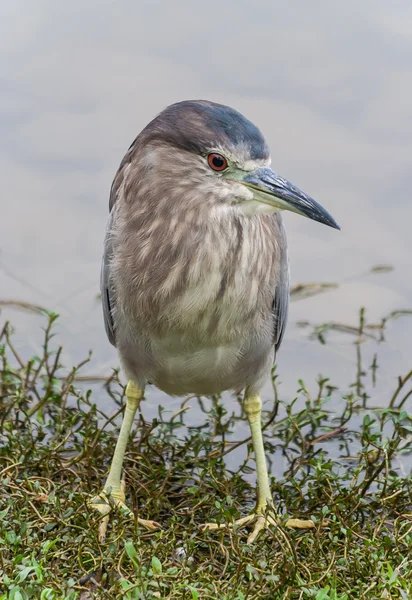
pixel 239 523
pixel 103 528
pixel 259 525
pixel 300 524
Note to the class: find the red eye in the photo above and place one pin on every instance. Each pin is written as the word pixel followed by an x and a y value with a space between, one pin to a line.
pixel 217 162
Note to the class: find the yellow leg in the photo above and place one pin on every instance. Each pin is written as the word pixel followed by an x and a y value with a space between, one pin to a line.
pixel 253 410
pixel 264 514
pixel 113 492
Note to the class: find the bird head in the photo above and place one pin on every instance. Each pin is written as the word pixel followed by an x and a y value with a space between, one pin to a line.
pixel 204 153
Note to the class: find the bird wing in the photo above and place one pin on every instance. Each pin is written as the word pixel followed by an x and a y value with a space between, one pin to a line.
pixel 106 288
pixel 281 300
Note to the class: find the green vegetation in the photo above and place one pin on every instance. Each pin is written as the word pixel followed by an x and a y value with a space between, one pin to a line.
pixel 346 469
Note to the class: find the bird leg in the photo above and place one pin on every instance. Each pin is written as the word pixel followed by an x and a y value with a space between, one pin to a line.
pixel 261 517
pixel 264 514
pixel 113 493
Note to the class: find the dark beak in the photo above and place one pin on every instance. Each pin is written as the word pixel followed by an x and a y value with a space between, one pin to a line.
pixel 270 188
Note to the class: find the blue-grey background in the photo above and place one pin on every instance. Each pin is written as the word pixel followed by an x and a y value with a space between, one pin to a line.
pixel 329 84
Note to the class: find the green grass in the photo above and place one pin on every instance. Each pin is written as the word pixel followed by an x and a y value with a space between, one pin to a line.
pixel 344 469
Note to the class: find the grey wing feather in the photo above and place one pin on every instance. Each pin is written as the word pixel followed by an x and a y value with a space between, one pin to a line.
pixel 281 301
pixel 105 286
pixel 107 292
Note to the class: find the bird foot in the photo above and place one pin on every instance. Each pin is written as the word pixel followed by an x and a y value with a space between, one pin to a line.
pixel 110 499
pixel 262 520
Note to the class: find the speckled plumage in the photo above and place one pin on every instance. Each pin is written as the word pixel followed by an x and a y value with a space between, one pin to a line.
pixel 195 282
pixel 195 291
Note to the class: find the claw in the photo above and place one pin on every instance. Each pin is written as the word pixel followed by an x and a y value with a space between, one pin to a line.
pixel 109 499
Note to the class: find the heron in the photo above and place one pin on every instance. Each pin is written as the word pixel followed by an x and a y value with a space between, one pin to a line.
pixel 195 274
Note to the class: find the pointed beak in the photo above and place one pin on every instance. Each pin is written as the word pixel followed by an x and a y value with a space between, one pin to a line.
pixel 268 187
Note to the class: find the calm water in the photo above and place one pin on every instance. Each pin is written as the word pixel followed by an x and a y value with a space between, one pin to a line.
pixel 329 85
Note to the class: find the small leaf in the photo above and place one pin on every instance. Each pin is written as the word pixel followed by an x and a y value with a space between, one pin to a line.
pixel 25 572
pixel 47 594
pixel 194 592
pixel 131 550
pixel 156 565
pixel 323 594
pixel 4 512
